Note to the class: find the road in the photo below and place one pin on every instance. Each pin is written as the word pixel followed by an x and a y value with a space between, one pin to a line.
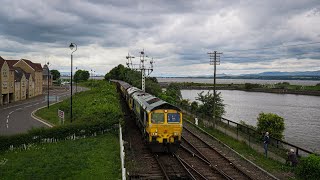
pixel 16 117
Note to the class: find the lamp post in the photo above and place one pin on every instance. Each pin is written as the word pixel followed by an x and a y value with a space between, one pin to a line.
pixel 91 78
pixel 72 45
pixel 76 79
pixel 48 82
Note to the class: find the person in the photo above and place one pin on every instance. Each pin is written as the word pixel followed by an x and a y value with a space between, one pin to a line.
pixel 266 140
pixel 292 157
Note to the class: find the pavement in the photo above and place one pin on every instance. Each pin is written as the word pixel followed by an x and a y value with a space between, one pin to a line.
pixel 15 118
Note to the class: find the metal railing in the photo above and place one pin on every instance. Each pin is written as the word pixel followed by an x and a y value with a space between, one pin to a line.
pixel 251 136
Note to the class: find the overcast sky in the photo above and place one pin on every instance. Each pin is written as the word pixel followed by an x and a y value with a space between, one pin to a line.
pixel 177 34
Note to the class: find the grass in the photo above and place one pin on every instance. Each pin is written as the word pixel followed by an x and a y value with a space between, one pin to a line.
pixel 50 114
pixel 242 148
pixel 99 104
pixel 90 158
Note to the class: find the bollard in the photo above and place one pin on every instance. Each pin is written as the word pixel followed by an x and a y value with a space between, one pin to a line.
pixel 196 121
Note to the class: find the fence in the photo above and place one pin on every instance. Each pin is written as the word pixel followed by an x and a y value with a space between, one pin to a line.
pixel 247 134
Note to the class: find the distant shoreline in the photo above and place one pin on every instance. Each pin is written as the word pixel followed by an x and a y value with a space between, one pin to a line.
pixel 287 89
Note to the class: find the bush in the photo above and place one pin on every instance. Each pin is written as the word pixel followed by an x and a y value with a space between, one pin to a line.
pixel 251 86
pixel 272 123
pixel 309 167
pixel 57 132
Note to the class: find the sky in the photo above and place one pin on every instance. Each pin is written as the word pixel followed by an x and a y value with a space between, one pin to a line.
pixel 254 36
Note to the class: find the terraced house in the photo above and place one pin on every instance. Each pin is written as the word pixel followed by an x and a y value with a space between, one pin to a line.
pixel 19 80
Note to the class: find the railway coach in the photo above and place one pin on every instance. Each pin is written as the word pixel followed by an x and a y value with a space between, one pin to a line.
pixel 159 122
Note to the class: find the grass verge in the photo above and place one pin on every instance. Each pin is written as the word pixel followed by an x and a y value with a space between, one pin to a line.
pixel 90 158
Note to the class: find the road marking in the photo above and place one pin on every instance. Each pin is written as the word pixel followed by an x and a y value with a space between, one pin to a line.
pixel 38 119
pixel 28 106
pixel 7 125
pixel 8 116
pixel 11 112
pixel 18 109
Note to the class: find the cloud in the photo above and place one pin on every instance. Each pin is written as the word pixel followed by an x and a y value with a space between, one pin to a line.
pixel 177 34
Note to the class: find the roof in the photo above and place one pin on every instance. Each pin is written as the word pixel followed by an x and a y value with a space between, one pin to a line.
pixel 1 61
pixel 11 63
pixel 150 102
pixel 45 70
pixel 35 66
pixel 132 90
pixel 124 84
pixel 18 73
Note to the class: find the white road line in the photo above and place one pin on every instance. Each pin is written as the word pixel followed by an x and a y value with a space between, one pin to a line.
pixel 18 109
pixel 7 125
pixel 10 112
pixel 8 116
pixel 28 106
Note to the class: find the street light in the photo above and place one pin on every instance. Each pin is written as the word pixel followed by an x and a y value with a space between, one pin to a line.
pixel 72 45
pixel 91 78
pixel 48 82
pixel 76 79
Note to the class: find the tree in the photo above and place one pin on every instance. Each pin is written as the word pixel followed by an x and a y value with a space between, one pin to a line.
pixel 272 123
pixel 194 106
pixel 133 77
pixel 81 75
pixel 55 74
pixel 207 101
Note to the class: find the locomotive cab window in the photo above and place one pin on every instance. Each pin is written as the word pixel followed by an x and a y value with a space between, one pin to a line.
pixel 173 117
pixel 157 118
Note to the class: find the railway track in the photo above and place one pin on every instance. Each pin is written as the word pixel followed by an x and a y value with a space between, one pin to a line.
pixel 223 167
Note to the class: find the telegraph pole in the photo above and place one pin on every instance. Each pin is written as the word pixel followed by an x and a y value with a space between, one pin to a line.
pixel 141 68
pixel 214 60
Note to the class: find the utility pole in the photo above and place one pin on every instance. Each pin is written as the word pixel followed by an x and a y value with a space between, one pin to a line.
pixel 214 60
pixel 142 67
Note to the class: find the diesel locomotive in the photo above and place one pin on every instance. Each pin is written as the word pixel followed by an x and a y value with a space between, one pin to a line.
pixel 159 122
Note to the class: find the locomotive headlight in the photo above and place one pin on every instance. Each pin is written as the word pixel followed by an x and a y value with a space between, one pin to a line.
pixel 154 134
pixel 175 133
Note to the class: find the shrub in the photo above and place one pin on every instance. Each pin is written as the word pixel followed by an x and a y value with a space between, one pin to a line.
pixel 272 123
pixel 251 86
pixel 309 167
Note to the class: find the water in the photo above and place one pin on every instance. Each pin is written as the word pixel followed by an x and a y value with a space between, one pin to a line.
pixel 301 113
pixel 238 81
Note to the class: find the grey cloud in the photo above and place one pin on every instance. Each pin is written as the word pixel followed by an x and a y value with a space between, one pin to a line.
pixel 180 31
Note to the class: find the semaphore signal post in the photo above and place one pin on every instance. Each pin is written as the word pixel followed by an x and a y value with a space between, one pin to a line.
pixel 141 68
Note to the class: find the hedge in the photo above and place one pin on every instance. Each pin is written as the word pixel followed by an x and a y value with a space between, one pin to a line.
pixel 56 133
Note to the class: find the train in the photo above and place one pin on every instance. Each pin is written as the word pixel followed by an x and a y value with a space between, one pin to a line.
pixel 160 122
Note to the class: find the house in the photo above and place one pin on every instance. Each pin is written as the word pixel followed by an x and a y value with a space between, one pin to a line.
pixel 45 76
pixel 4 80
pixel 19 80
pixel 35 69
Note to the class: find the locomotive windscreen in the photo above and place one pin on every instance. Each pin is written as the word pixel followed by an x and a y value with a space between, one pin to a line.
pixel 173 117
